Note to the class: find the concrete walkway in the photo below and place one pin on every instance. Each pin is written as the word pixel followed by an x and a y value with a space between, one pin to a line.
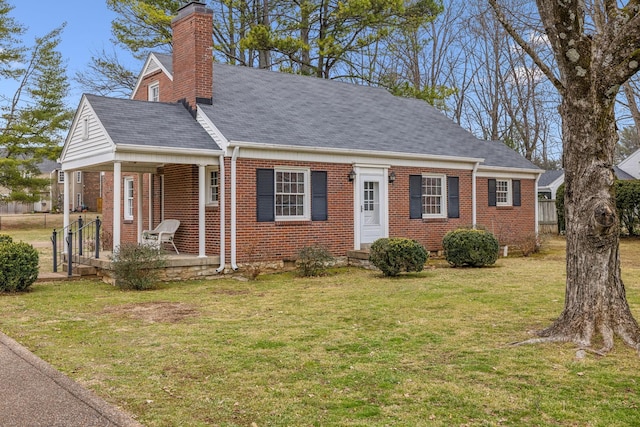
pixel 35 394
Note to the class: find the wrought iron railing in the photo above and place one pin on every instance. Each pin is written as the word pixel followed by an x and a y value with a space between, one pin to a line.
pixel 77 242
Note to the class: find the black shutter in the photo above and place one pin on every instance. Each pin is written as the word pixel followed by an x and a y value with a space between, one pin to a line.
pixel 318 196
pixel 453 197
pixel 516 192
pixel 265 195
pixel 415 196
pixel 492 192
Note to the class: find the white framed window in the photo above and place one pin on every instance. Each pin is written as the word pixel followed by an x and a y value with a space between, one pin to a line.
pixel 79 177
pixel 213 187
pixel 128 198
pixel 434 196
pixel 292 192
pixel 154 92
pixel 60 177
pixel 503 192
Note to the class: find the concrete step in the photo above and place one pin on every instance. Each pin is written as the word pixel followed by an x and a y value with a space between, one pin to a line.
pixel 81 269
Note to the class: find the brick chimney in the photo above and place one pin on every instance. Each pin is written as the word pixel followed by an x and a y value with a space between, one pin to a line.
pixel 193 55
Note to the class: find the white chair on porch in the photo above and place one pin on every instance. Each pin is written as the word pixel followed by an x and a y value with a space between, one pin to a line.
pixel 163 233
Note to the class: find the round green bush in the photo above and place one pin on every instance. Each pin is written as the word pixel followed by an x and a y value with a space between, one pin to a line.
pixel 5 238
pixel 18 266
pixel 475 248
pixel 393 255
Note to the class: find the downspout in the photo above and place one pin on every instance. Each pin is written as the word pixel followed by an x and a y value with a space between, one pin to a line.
pixel 222 217
pixel 234 157
pixel 474 207
pixel 537 206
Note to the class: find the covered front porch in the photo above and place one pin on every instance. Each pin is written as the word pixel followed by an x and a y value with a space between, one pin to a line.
pixel 141 149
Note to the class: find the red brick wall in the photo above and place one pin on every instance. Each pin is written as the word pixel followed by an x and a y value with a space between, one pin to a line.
pixel 165 86
pixel 283 240
pixel 428 232
pixel 507 223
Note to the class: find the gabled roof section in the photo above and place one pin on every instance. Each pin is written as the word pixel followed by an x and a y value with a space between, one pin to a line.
pixel 150 124
pixel 150 130
pixel 155 61
pixel 549 177
pixel 621 174
pixel 259 106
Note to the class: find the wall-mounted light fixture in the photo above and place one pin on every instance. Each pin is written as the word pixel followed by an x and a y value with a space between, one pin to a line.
pixel 352 175
pixel 392 177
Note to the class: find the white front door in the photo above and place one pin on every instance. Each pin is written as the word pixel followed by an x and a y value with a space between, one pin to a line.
pixel 372 201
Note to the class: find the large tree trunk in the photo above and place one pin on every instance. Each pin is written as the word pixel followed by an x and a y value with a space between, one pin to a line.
pixel 592 65
pixel 595 308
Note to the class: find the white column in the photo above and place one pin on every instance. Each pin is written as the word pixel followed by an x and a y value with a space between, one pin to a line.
pixel 117 199
pixel 474 195
pixel 150 222
pixel 202 200
pixel 66 219
pixel 139 207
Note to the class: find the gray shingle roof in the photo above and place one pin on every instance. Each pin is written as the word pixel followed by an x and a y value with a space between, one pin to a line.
pixel 548 177
pixel 151 124
pixel 252 105
pixel 621 174
pixel 165 60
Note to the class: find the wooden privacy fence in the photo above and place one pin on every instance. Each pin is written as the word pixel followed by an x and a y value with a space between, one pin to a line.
pixel 547 217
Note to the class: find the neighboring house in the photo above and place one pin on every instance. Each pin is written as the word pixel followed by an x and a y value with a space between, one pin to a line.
pixel 85 190
pixel 257 165
pixel 549 183
pixel 551 180
pixel 44 202
pixel 631 165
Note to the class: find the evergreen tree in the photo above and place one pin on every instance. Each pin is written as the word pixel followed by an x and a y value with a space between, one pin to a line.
pixel 34 117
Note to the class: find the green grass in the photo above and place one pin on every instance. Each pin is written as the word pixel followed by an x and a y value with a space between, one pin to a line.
pixel 349 349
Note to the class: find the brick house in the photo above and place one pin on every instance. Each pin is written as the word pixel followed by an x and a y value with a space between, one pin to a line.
pixel 257 164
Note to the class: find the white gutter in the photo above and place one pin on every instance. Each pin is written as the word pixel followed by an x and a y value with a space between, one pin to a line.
pixel 234 157
pixel 351 152
pixel 474 196
pixel 222 217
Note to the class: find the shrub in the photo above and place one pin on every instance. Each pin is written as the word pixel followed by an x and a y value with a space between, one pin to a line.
pixel 475 248
pixel 313 261
pixel 136 266
pixel 529 244
pixel 18 266
pixel 392 255
pixel 5 238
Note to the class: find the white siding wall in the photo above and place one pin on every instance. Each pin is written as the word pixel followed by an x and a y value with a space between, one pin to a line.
pixel 97 141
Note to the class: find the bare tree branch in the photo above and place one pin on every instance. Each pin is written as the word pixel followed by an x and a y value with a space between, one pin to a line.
pixel 525 46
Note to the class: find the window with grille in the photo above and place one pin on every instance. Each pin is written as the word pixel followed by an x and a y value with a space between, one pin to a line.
pixel 291 194
pixel 433 196
pixel 128 198
pixel 213 188
pixel 503 195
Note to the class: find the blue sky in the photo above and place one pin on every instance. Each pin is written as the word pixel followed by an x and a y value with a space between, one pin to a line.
pixel 88 31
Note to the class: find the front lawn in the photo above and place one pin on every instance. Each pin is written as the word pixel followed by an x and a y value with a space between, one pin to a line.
pixel 349 349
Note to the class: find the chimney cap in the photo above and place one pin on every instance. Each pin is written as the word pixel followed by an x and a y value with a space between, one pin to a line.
pixel 190 7
pixel 185 3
